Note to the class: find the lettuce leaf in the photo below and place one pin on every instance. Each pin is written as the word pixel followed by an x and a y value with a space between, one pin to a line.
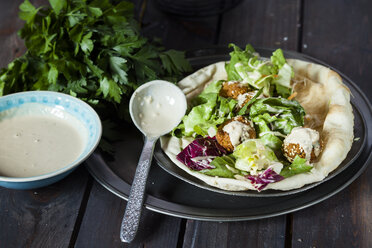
pixel 238 56
pixel 278 59
pixel 253 156
pixel 221 165
pixel 245 65
pixel 244 109
pixel 275 118
pixel 299 165
pixel 209 110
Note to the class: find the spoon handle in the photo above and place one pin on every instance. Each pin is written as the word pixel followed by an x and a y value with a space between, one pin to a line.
pixel 130 222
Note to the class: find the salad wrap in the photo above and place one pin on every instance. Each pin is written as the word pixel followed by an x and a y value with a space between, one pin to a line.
pixel 286 98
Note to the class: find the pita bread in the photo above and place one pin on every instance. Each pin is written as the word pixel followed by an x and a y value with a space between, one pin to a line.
pixel 326 101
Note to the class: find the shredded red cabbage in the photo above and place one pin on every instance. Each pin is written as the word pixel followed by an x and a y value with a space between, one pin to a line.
pixel 262 180
pixel 199 153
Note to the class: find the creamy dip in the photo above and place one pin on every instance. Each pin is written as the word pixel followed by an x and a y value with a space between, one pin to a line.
pixel 159 110
pixel 32 145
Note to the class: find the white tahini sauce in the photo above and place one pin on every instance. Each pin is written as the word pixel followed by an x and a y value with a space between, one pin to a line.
pixel 158 111
pixel 212 132
pixel 307 138
pixel 238 132
pixel 32 145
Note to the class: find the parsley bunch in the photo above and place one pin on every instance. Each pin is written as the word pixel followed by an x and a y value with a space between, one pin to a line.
pixel 89 49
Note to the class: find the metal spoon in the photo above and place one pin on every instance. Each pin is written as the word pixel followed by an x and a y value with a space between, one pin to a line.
pixel 155 108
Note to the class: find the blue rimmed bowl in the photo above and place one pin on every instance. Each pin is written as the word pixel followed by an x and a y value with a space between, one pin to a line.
pixel 69 108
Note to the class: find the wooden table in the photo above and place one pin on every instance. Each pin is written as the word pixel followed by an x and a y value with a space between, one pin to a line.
pixel 79 212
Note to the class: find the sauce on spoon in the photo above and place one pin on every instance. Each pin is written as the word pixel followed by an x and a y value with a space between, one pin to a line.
pixel 157 108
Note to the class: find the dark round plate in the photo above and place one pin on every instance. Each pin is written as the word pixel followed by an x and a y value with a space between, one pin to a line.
pixel 199 61
pixel 173 196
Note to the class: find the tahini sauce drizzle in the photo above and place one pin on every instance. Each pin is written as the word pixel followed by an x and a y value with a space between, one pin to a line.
pixel 238 132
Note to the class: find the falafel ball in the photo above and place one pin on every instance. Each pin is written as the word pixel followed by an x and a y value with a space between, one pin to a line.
pixel 304 142
pixel 234 131
pixel 233 89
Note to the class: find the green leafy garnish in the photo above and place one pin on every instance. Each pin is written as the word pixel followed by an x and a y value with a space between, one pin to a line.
pixel 89 49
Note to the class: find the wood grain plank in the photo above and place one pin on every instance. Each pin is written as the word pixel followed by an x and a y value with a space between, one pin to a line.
pixel 11 45
pixel 262 24
pixel 176 32
pixel 260 233
pixel 339 33
pixel 102 220
pixel 42 217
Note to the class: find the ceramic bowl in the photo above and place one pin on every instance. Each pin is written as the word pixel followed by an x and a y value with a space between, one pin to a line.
pixel 76 112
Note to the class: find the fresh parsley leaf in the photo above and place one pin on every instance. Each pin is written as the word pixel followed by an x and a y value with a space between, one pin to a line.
pixel 27 11
pixel 174 62
pixel 52 74
pixel 110 89
pixel 58 5
pixel 118 68
pixel 86 43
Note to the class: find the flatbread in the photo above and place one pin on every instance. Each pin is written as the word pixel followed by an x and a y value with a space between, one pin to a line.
pixel 326 101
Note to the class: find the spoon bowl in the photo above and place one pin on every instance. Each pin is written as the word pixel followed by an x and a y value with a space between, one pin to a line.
pixel 155 108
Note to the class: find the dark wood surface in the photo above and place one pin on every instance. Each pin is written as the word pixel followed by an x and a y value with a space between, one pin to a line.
pixel 79 212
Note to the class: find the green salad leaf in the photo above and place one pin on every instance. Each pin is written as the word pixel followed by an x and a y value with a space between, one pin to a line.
pixel 285 73
pixel 246 65
pixel 238 56
pixel 89 49
pixel 275 118
pixel 245 109
pixel 253 156
pixel 210 110
pixel 299 165
pixel 224 167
